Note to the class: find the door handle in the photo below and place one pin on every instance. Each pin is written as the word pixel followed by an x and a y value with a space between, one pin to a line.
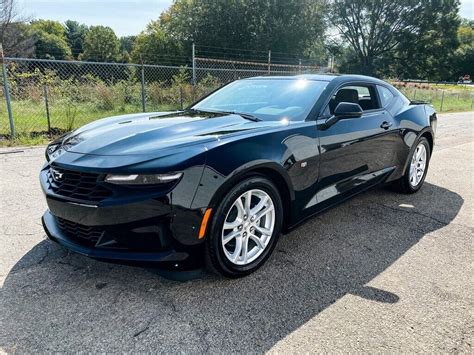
pixel 386 125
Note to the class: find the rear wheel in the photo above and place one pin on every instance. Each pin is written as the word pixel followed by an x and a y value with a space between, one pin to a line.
pixel 416 172
pixel 245 228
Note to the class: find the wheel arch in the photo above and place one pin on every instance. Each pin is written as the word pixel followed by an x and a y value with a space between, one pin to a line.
pixel 429 136
pixel 270 170
pixel 426 133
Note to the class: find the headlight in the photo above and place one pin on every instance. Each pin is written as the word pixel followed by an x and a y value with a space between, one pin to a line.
pixel 56 147
pixel 139 179
pixel 53 151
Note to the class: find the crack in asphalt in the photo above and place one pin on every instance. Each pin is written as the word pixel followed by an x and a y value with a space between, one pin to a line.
pixel 141 331
pixel 44 256
pixel 166 302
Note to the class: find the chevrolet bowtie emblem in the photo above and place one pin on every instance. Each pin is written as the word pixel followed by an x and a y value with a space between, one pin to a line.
pixel 57 175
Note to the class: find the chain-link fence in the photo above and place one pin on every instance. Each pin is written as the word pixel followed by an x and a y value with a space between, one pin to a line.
pixel 235 69
pixel 445 97
pixel 51 97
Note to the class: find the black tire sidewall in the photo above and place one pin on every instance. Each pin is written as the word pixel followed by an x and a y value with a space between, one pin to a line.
pixel 409 186
pixel 216 252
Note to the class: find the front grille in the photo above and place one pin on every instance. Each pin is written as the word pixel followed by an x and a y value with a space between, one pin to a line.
pixel 77 185
pixel 88 235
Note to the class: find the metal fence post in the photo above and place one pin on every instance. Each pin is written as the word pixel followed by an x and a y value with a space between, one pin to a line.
pixel 181 97
pixel 269 60
pixel 46 104
pixel 6 92
pixel 194 64
pixel 442 100
pixel 143 87
pixel 414 94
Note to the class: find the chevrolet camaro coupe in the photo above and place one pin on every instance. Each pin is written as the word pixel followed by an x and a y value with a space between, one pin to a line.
pixel 217 183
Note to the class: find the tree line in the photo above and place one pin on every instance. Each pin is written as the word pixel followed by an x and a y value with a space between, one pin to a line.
pixel 424 39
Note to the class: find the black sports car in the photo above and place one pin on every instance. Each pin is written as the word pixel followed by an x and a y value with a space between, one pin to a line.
pixel 219 181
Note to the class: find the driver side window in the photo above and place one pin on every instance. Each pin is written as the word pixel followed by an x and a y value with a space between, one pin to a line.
pixel 356 94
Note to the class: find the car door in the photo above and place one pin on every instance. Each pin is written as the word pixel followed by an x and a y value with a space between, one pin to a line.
pixel 355 152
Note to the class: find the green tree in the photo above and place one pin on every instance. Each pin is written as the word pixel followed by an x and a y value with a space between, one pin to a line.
pixel 50 40
pixel 126 43
pixel 466 33
pixel 17 40
pixel 126 47
pixel 49 26
pixel 464 55
pixel 428 52
pixel 287 26
pixel 101 45
pixel 15 34
pixel 373 27
pixel 405 38
pixel 153 45
pixel 75 34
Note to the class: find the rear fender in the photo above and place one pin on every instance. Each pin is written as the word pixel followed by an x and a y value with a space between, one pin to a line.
pixel 414 121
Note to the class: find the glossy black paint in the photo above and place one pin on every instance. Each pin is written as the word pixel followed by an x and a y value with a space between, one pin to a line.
pixel 314 164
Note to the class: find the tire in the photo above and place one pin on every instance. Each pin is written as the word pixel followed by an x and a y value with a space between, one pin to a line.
pixel 222 246
pixel 407 184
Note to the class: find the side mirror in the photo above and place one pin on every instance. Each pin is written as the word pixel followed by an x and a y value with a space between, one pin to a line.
pixel 348 110
pixel 344 110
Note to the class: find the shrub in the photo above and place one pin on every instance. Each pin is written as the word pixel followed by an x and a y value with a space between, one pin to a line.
pixel 155 93
pixel 206 85
pixel 105 97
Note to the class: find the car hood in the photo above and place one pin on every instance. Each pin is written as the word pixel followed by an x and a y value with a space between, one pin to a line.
pixel 149 132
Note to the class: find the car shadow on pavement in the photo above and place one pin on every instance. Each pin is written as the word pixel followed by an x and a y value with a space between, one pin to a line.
pixel 53 300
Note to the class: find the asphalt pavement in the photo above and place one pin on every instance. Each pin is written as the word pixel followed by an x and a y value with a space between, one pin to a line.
pixel 382 272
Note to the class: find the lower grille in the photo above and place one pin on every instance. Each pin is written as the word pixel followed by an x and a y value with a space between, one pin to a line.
pixel 89 235
pixel 77 185
pixel 141 239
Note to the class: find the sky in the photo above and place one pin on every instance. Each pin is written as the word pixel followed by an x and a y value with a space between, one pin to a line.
pixel 125 17
pixel 467 9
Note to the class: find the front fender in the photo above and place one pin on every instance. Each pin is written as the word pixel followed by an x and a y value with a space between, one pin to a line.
pixel 279 152
pixel 214 184
pixel 287 155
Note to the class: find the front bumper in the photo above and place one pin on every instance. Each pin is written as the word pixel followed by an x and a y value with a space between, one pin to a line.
pixel 126 228
pixel 181 257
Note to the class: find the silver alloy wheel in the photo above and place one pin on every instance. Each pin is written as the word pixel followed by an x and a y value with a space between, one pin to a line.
pixel 248 227
pixel 418 165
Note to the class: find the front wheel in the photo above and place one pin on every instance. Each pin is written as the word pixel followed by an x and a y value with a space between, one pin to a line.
pixel 245 228
pixel 416 172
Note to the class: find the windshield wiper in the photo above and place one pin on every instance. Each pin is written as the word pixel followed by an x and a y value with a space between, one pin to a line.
pixel 245 115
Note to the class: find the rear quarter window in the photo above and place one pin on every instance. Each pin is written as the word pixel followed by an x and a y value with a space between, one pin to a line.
pixel 385 95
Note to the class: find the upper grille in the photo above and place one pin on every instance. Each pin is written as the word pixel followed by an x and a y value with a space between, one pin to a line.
pixel 77 185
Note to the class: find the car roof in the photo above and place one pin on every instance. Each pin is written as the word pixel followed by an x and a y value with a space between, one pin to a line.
pixel 324 77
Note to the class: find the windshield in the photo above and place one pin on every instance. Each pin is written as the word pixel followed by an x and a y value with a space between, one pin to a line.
pixel 266 99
